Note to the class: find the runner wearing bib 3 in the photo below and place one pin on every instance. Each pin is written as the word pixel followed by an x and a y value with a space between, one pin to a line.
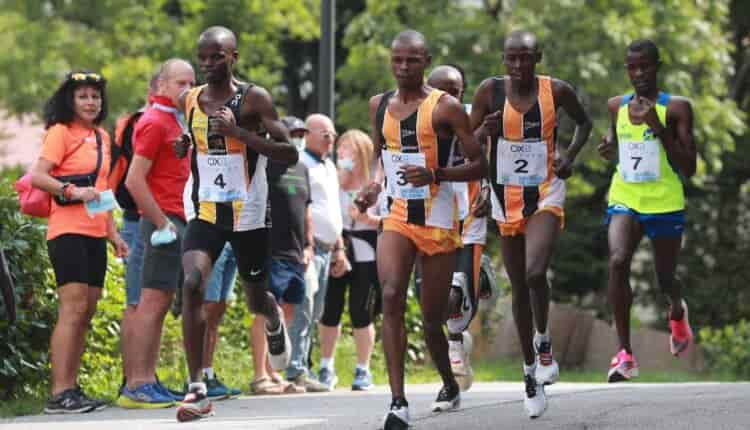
pixel 651 134
pixel 516 116
pixel 413 128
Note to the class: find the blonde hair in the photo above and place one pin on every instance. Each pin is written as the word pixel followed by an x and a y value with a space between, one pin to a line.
pixel 363 148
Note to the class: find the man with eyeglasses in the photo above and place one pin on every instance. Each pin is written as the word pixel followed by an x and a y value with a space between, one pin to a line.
pixel 516 115
pixel 328 248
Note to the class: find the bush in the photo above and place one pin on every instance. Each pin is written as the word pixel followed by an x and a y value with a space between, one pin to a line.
pixel 727 349
pixel 24 346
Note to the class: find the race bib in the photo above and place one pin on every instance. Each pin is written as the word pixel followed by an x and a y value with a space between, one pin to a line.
pixel 398 187
pixel 521 163
pixel 639 161
pixel 222 178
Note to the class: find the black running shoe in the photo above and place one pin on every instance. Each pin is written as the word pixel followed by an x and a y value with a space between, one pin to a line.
pixel 398 417
pixel 98 403
pixel 70 401
pixel 448 398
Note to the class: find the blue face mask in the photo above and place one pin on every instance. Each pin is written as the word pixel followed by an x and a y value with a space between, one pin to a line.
pixel 346 164
pixel 298 142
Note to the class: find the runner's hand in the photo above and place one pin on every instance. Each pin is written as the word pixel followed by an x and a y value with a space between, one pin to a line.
pixel 223 122
pixel 643 110
pixel 418 176
pixel 182 145
pixel 563 166
pixel 368 196
pixel 482 203
pixel 491 123
pixel 607 148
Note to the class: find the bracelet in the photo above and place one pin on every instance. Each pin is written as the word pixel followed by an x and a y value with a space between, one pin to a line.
pixel 66 191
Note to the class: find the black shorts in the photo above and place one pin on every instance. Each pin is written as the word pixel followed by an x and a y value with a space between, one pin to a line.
pixel 251 248
pixel 78 258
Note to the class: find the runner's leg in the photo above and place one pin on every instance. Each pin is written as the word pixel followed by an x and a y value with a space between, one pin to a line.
pixel 624 233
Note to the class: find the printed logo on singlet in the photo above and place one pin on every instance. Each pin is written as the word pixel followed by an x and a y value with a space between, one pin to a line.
pixel 649 134
pixel 531 124
pixel 407 133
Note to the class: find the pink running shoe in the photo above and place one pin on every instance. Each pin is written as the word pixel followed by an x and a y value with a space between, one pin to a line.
pixel 623 367
pixel 682 334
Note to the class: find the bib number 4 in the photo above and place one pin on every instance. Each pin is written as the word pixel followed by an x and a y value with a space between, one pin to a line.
pixel 219 181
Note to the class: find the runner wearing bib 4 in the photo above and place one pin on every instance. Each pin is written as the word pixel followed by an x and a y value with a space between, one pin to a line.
pixel 651 133
pixel 516 116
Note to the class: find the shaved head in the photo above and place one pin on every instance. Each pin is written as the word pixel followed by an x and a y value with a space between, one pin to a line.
pixel 522 39
pixel 447 78
pixel 171 67
pixel 222 36
pixel 412 39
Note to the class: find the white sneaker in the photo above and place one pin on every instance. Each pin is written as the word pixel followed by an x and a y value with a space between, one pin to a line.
pixel 534 401
pixel 547 369
pixel 279 346
pixel 447 399
pixel 398 417
pixel 460 318
pixel 460 356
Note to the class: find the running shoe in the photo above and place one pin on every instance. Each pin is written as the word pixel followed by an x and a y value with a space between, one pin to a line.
pixel 70 401
pixel 146 396
pixel 461 316
pixel 279 345
pixel 623 367
pixel 216 390
pixel 682 334
pixel 448 398
pixel 328 378
pixel 534 401
pixel 547 369
pixel 362 380
pixel 398 417
pixel 459 354
pixel 98 403
pixel 196 404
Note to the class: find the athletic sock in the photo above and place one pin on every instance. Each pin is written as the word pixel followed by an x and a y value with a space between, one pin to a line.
pixel 363 366
pixel 326 363
pixel 208 372
pixel 529 369
pixel 454 344
pixel 542 336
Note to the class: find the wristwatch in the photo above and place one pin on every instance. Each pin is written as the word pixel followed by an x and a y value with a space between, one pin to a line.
pixel 64 186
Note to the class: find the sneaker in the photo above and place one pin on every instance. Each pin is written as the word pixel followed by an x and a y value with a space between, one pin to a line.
pixel 216 390
pixel 146 396
pixel 459 354
pixel 448 398
pixel 310 384
pixel 98 403
pixel 362 380
pixel 328 378
pixel 70 401
pixel 398 417
pixel 279 346
pixel 547 369
pixel 682 334
pixel 622 367
pixel 534 401
pixel 177 396
pixel 459 318
pixel 196 404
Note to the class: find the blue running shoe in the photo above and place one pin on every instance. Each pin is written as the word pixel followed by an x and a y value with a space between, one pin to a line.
pixel 216 390
pixel 328 378
pixel 146 396
pixel 362 380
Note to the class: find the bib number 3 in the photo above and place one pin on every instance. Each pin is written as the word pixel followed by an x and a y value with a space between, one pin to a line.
pixel 398 187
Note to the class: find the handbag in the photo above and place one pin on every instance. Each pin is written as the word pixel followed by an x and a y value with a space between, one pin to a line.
pixel 36 202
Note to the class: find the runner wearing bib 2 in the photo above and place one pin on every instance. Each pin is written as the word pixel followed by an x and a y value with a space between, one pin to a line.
pixel 413 127
pixel 517 116
pixel 651 134
pixel 228 123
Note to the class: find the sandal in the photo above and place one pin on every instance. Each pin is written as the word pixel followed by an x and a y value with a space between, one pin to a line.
pixel 265 386
pixel 287 387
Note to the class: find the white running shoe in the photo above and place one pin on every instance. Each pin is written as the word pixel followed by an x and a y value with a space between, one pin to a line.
pixel 534 401
pixel 459 319
pixel 279 346
pixel 547 369
pixel 398 417
pixel 196 405
pixel 447 399
pixel 460 356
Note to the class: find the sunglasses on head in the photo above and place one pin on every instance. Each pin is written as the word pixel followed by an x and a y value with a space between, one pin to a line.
pixel 80 76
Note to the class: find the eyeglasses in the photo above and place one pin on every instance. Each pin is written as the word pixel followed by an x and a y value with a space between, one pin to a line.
pixel 327 134
pixel 86 76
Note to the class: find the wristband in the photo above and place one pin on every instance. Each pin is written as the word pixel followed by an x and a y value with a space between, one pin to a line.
pixel 66 191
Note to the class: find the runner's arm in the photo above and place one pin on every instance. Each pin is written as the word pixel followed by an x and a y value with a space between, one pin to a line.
pixel 369 193
pixel 680 148
pixel 278 148
pixel 480 109
pixel 573 107
pixel 608 146
pixel 450 112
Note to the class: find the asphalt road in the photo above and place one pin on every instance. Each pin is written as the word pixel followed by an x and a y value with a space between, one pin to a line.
pixel 486 406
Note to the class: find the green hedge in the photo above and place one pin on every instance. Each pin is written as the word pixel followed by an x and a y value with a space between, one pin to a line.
pixel 727 349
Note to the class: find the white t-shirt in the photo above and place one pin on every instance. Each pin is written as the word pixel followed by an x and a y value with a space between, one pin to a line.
pixel 363 251
pixel 324 192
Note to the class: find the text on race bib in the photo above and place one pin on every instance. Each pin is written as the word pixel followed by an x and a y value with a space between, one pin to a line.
pixel 639 161
pixel 222 178
pixel 398 187
pixel 521 163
